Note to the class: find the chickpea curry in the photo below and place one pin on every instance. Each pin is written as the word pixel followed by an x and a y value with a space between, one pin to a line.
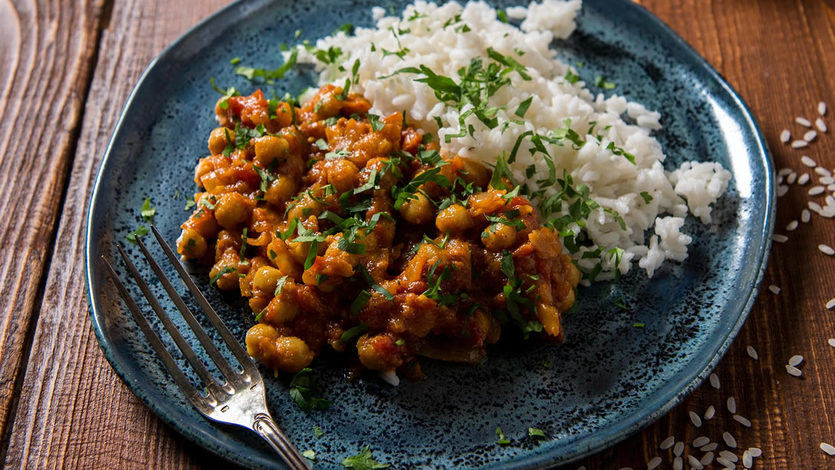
pixel 351 231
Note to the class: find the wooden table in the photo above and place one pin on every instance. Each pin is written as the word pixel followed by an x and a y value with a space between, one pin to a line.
pixel 72 65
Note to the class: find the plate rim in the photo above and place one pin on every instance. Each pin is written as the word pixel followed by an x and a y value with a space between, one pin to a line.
pixel 613 434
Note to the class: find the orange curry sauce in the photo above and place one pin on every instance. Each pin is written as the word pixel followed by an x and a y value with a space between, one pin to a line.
pixel 351 231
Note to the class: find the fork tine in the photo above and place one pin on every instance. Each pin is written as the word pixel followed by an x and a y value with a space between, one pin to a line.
pixel 211 384
pixel 156 344
pixel 231 376
pixel 228 338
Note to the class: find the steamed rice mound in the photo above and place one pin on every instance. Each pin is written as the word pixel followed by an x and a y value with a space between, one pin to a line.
pixel 642 206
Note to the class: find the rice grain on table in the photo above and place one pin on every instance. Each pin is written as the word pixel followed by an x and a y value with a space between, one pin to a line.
pixel 820 125
pixel 795 360
pixel 816 190
pixel 696 419
pixel 803 121
pixel 808 161
pixel 810 136
pixel 747 460
pixel 742 420
pixel 667 443
pixel 774 289
pixel 799 144
pixel 791 178
pixel 822 108
pixel 678 448
pixel 752 352
pixel 678 463
pixel 831 342
pixel 791 226
pixel 725 462
pixel 755 451
pixel 784 172
pixel 700 441
pixel 707 459
pixel 793 371
pixel 709 412
pixel 710 447
pixel 831 187
pixel 694 462
pixel 654 463
pixel 803 179
pixel 805 216
pixel 731 405
pixel 826 249
pixel 714 381
pixel 779 238
pixel 653 233
pixel 815 206
pixel 830 304
pixel 828 448
pixel 728 455
pixel 785 136
pixel 782 189
pixel 823 171
pixel 826 180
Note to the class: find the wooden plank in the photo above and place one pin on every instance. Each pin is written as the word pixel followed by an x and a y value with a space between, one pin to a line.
pixel 45 64
pixel 775 53
pixel 74 412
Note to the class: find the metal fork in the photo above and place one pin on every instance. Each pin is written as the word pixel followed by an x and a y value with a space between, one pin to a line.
pixel 240 399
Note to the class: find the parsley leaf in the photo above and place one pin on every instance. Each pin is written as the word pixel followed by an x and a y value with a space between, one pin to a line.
pixel 147 211
pixel 600 82
pixel 503 440
pixel 140 231
pixel 523 107
pixel 303 389
pixel 269 75
pixel 363 461
pixel 646 197
pixel 535 433
pixel 309 454
pixel 353 332
pixel 217 276
pixel 571 77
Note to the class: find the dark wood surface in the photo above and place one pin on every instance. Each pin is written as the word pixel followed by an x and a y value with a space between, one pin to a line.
pixel 66 69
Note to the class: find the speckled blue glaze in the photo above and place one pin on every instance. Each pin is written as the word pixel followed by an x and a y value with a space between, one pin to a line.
pixel 605 382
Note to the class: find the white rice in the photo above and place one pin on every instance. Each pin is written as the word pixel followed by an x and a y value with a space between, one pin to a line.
pixel 822 108
pixel 805 216
pixel 728 455
pixel 820 125
pixel 791 178
pixel 774 289
pixel 782 189
pixel 752 352
pixel 755 451
pixel 831 342
pixel 803 179
pixel 742 420
pixel 823 171
pixel 679 448
pixel 747 460
pixel 694 463
pixel 725 462
pixel 828 448
pixel 793 371
pixel 830 304
pixel 696 419
pixel 816 190
pixel 808 161
pixel 709 412
pixel 615 183
pixel 714 381
pixel 710 447
pixel 810 136
pixel 785 136
pixel 799 144
pixel 826 249
pixel 780 238
pixel 700 441
pixel 795 360
pixel 731 405
pixel 667 443
pixel 678 464
pixel 654 463
pixel 791 226
pixel 803 121
pixel 707 459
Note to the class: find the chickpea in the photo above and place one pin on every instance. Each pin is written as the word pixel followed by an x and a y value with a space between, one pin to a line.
pixel 549 316
pixel 191 244
pixel 474 172
pixel 281 309
pixel 268 150
pixel 281 190
pixel 304 208
pixel 498 237
pixel 229 279
pixel 266 278
pixel 280 258
pixel 232 209
pixel 287 353
pixel 219 139
pixel 417 211
pixel 342 174
pixel 454 219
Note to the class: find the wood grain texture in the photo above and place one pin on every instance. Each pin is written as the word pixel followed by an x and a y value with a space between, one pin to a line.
pixel 45 64
pixel 74 412
pixel 775 53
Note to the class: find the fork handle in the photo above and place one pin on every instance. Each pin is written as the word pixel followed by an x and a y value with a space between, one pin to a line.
pixel 269 431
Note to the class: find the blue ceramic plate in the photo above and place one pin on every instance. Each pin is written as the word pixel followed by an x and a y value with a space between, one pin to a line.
pixel 605 382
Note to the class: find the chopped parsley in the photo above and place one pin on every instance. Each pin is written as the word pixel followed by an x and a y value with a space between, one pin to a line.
pixel 269 75
pixel 600 82
pixel 536 434
pixel 189 204
pixel 646 197
pixel 279 286
pixel 317 431
pixel 309 454
pixel 353 332
pixel 503 440
pixel 362 299
pixel 219 274
pixel 328 56
pixel 363 461
pixel 376 123
pixel 502 15
pixel 523 107
pixel 147 211
pixel 140 232
pixel 571 77
pixel 303 389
